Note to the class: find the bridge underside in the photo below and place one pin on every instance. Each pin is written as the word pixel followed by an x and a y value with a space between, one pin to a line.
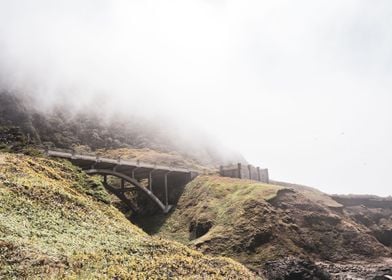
pixel 157 184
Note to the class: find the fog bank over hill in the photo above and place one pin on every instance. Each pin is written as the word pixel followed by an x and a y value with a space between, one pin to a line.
pixel 302 87
pixel 86 130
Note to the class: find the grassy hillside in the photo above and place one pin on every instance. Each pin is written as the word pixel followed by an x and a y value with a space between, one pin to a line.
pixel 261 225
pixel 57 223
pixel 213 202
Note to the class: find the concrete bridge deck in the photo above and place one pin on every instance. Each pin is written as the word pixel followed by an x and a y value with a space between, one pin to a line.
pixel 131 172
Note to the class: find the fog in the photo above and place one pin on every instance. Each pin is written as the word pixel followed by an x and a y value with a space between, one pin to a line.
pixel 300 87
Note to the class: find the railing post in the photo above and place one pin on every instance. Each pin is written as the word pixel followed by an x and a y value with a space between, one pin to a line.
pixel 267 179
pixel 239 171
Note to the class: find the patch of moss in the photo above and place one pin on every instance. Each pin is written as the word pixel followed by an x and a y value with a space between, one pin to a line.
pixel 255 223
pixel 216 199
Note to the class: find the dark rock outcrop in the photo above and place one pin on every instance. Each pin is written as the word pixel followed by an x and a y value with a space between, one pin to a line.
pixel 291 268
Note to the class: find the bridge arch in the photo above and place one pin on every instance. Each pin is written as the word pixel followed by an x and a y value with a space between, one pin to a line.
pixel 165 207
pixel 128 171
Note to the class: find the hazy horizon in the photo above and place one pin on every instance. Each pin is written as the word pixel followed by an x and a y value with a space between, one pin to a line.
pixel 302 88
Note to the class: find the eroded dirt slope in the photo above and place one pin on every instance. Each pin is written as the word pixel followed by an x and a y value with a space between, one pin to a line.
pixel 278 231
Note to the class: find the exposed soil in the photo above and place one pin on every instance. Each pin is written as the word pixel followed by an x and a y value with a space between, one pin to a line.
pixel 373 212
pixel 294 232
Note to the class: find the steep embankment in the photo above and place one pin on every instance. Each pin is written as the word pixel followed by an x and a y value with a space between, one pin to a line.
pixel 277 230
pixel 57 223
pixel 372 212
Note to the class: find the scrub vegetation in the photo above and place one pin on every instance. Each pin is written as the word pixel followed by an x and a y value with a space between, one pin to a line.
pixel 276 230
pixel 213 201
pixel 55 222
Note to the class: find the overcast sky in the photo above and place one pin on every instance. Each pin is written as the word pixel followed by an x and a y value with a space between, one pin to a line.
pixel 301 87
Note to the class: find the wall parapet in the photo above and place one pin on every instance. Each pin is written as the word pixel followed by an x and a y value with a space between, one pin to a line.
pixel 245 171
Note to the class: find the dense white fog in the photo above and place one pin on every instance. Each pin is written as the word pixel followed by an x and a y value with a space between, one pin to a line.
pixel 301 87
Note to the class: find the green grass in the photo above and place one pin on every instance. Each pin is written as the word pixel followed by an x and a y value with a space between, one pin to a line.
pixel 55 222
pixel 255 223
pixel 244 224
pixel 217 199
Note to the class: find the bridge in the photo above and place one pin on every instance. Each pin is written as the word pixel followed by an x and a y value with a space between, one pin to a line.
pixel 158 178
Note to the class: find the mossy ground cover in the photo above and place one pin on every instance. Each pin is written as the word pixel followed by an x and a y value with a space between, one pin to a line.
pixel 217 199
pixel 55 222
pixel 230 217
pixel 255 223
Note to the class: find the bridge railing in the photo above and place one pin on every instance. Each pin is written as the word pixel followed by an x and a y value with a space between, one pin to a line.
pixel 73 154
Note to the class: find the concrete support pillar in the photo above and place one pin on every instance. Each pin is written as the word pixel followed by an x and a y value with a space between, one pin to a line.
pixel 250 171
pixel 133 172
pixel 239 171
pixel 122 183
pixel 150 180
pixel 192 175
pixel 166 191
pixel 258 174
